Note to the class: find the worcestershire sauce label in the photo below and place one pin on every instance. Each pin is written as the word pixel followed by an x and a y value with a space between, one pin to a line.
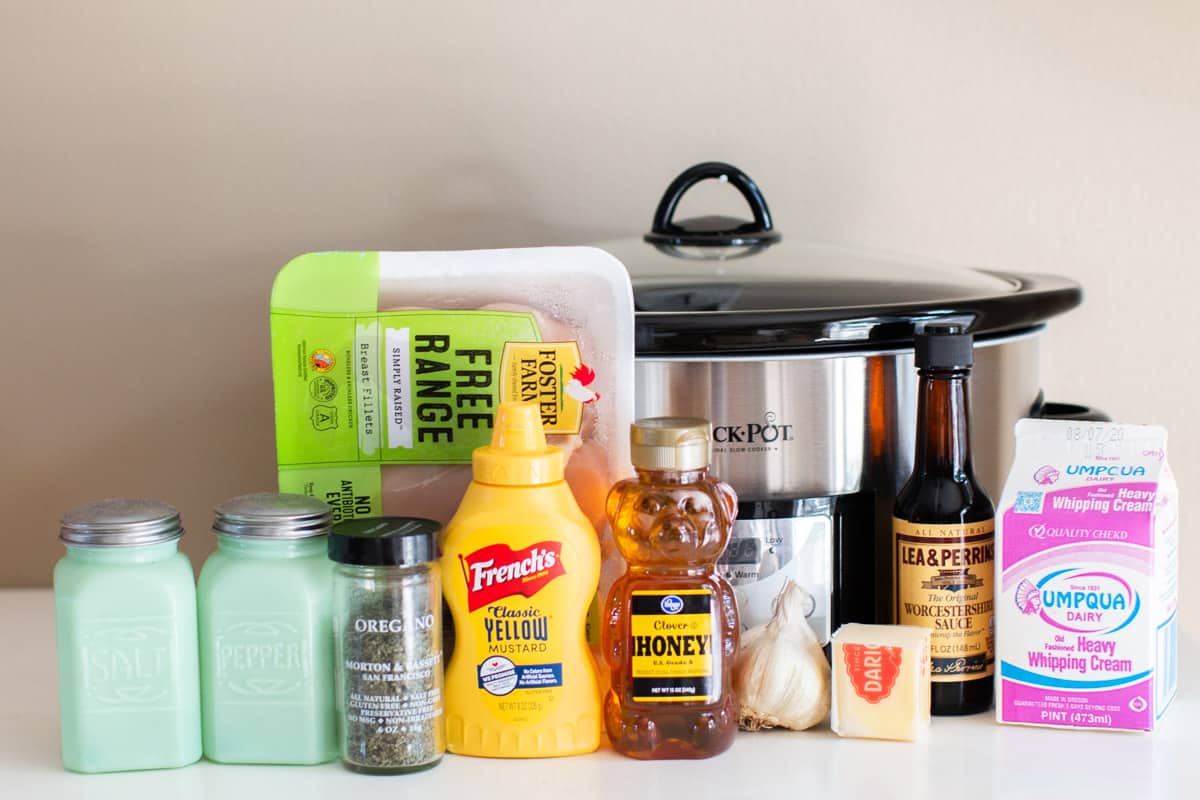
pixel 944 582
pixel 670 646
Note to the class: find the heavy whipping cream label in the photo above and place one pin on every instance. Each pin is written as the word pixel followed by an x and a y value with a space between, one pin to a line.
pixel 1087 577
pixel 944 582
pixel 513 597
pixel 671 646
pixel 1083 606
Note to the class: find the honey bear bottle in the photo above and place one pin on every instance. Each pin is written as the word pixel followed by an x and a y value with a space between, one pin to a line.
pixel 671 627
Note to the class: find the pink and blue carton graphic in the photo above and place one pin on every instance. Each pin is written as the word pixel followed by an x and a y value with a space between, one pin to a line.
pixel 1087 556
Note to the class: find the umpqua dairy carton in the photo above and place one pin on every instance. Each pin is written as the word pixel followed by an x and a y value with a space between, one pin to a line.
pixel 1087 562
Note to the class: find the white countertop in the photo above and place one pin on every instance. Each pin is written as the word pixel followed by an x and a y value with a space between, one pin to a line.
pixel 962 758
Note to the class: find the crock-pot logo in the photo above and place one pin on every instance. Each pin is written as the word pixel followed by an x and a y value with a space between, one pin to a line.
pixel 765 432
pixel 1080 601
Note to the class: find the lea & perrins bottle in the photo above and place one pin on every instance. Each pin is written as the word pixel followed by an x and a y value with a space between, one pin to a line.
pixel 943 528
pixel 670 628
pixel 520 565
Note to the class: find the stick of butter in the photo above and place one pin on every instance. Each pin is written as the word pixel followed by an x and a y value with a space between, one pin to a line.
pixel 880 681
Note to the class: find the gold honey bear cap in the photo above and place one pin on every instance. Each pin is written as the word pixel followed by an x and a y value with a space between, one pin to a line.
pixel 676 443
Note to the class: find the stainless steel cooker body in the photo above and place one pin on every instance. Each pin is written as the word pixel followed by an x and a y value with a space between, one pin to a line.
pixel 831 426
pixel 813 425
pixel 801 355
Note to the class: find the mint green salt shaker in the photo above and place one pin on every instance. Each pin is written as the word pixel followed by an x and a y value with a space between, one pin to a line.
pixel 266 633
pixel 125 617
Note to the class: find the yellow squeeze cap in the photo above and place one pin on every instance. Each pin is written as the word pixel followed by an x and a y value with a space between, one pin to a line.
pixel 518 454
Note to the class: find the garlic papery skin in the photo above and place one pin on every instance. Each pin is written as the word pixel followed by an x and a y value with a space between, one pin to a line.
pixel 780 674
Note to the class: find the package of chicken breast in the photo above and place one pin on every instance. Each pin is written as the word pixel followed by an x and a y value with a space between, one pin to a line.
pixel 388 369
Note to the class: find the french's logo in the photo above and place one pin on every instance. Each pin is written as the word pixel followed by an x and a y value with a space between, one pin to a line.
pixel 497 571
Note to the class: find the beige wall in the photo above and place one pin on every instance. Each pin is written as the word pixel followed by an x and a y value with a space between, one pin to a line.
pixel 159 162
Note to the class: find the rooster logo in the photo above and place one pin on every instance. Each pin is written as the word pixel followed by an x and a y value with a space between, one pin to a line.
pixel 578 389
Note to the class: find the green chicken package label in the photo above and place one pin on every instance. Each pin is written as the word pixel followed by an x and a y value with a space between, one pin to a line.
pixel 371 368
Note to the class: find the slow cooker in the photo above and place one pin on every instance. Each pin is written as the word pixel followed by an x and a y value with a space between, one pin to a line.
pixel 801 355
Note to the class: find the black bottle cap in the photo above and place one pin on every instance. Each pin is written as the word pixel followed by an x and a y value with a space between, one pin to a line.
pixel 384 541
pixel 944 345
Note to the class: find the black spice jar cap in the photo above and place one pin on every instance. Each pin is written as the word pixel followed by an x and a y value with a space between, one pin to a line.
pixel 944 345
pixel 384 541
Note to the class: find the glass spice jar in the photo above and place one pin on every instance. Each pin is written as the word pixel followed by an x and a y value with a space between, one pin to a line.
pixel 388 636
pixel 125 620
pixel 266 633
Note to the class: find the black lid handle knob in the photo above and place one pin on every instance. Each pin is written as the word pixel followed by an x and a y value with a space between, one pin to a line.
pixel 712 231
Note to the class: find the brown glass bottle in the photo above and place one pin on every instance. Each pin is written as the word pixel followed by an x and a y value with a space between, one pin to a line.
pixel 943 531
pixel 670 629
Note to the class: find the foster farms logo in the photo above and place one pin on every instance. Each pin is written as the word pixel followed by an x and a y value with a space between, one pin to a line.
pixel 1080 601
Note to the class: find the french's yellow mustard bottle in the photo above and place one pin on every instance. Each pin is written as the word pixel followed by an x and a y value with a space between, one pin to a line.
pixel 521 564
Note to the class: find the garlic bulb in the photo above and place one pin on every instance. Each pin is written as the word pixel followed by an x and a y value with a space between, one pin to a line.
pixel 780 674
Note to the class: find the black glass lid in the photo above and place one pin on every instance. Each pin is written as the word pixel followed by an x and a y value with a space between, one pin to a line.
pixel 717 284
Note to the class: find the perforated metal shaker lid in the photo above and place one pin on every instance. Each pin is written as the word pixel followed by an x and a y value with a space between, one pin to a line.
pixel 121 522
pixel 265 515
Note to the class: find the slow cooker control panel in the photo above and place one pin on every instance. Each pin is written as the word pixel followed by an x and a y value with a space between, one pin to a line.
pixel 766 550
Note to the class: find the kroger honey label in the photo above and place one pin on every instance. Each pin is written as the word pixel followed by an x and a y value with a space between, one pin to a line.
pixel 670 646
pixel 944 582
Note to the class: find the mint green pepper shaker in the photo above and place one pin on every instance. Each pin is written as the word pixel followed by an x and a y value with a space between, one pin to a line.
pixel 125 616
pixel 266 633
